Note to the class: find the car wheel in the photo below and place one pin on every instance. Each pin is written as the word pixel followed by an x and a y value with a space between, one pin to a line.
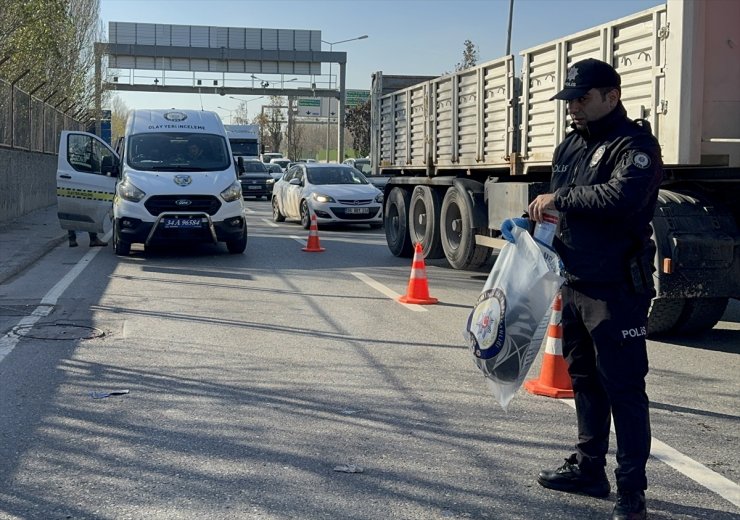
pixel 305 215
pixel 277 216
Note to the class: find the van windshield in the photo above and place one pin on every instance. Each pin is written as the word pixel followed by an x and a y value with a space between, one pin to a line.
pixel 177 151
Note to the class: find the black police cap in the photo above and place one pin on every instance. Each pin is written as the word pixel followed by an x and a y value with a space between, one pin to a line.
pixel 585 75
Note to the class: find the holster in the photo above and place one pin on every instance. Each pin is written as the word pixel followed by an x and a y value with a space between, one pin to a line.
pixel 641 270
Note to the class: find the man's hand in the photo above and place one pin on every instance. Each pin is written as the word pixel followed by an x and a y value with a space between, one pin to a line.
pixel 539 205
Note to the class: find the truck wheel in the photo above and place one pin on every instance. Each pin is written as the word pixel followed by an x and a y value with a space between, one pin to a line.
pixel 276 215
pixel 237 247
pixel 664 314
pixel 121 247
pixel 457 233
pixel 396 223
pixel 424 212
pixel 701 314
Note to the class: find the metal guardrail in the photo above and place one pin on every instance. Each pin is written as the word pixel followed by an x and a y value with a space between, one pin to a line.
pixel 28 123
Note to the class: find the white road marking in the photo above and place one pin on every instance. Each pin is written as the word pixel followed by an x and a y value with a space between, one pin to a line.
pixel 269 222
pixel 299 239
pixel 687 466
pixel 388 292
pixel 9 341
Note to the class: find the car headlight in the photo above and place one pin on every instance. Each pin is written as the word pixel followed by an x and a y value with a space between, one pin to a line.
pixel 379 198
pixel 318 197
pixel 127 191
pixel 233 192
pixel 270 181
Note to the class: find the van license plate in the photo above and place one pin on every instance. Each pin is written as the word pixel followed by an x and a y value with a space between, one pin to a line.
pixel 358 211
pixel 182 223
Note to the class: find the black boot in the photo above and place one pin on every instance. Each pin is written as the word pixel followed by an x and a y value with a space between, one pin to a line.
pixel 72 239
pixel 571 478
pixel 630 506
pixel 96 242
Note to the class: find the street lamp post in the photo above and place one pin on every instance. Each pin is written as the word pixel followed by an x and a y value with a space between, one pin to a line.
pixel 328 116
pixel 245 102
pixel 228 110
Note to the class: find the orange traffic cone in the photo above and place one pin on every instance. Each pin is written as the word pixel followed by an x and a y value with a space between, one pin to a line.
pixel 313 246
pixel 554 378
pixel 418 290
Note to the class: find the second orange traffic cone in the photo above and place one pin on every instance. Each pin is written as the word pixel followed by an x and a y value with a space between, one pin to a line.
pixel 554 378
pixel 418 290
pixel 313 246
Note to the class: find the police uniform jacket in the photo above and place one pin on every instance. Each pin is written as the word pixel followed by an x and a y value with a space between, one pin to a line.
pixel 605 181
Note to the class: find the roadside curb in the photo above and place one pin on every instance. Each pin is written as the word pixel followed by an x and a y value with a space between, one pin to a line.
pixel 30 257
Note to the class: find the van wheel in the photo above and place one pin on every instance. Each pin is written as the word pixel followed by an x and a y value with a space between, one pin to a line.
pixel 237 247
pixel 121 247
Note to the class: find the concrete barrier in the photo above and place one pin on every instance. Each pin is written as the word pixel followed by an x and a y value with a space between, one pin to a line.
pixel 27 182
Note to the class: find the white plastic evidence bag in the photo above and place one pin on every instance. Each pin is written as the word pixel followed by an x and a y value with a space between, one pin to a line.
pixel 506 327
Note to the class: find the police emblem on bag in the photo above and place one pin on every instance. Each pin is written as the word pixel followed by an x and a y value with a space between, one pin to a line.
pixel 486 325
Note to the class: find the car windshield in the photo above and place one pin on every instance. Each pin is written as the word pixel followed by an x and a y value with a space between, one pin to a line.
pixel 177 151
pixel 254 167
pixel 335 176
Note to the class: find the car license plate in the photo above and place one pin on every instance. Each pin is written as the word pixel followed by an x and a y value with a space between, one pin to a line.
pixel 358 211
pixel 182 223
pixel 253 187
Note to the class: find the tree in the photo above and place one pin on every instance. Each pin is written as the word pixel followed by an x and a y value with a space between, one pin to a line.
pixel 118 115
pixel 358 124
pixel 271 121
pixel 49 45
pixel 470 56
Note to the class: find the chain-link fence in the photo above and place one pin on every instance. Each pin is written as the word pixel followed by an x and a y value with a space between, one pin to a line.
pixel 27 123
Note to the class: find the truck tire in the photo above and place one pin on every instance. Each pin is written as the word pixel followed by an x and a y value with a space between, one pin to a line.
pixel 424 220
pixel 121 247
pixel 701 314
pixel 237 247
pixel 457 233
pixel 664 314
pixel 396 223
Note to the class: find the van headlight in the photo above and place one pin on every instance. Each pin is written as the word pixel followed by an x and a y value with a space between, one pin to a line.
pixel 318 197
pixel 379 198
pixel 127 191
pixel 233 192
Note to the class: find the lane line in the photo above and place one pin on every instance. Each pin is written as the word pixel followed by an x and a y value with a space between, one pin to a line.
pixel 388 292
pixel 269 222
pixel 9 341
pixel 690 468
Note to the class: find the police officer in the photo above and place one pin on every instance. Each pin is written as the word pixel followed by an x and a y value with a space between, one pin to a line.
pixel 606 175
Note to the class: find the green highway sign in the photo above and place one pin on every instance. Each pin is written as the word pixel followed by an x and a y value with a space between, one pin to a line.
pixel 309 102
pixel 356 97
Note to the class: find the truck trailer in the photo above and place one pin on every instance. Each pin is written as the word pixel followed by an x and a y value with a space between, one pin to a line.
pixel 469 149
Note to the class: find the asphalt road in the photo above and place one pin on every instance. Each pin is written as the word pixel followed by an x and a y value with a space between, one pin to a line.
pixel 257 383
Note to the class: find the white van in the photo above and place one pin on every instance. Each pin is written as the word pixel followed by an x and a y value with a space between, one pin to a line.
pixel 173 179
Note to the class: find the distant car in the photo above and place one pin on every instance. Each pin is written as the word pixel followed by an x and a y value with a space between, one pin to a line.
pixel 256 180
pixel 335 193
pixel 363 164
pixel 268 156
pixel 275 170
pixel 283 162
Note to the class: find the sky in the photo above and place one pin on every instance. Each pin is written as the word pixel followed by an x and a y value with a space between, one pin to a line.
pixel 415 37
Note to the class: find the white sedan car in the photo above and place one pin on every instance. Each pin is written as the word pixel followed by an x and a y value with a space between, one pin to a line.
pixel 335 193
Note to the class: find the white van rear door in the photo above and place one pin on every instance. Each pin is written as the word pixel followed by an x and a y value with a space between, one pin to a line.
pixel 86 183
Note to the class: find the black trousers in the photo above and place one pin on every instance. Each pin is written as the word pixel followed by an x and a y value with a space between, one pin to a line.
pixel 604 334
